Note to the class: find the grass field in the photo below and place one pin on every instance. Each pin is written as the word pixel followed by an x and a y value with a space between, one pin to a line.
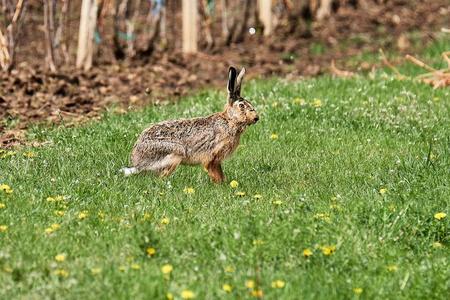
pixel 344 181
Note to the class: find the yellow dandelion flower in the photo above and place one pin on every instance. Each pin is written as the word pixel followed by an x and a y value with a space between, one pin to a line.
pixel 2 205
pixel 151 251
pixel 240 194
pixel 60 257
pixel 61 273
pixel 29 154
pixel 122 268
pixel 234 184
pixel 96 271
pixel 357 290
pixel 382 191
pixel 189 190
pixel 274 136
pixel 437 245
pixel 229 269
pixel 278 284
pixel 299 101
pixel 59 213
pixel 56 198
pixel 8 269
pixel 277 202
pixel 307 252
pixel 258 293
pixel 187 294
pixel 5 154
pixel 440 215
pixel 166 269
pixel 83 215
pixel 275 104
pixel 147 216
pixel 169 296
pixel 257 196
pixel 165 221
pixel 317 103
pixel 135 266
pixel 101 215
pixel 250 284
pixel 55 226
pixel 392 268
pixel 227 288
pixel 258 242
pixel 328 250
pixel 3 228
pixel 6 188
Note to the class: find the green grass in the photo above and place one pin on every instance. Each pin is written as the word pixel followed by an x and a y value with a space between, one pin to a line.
pixel 326 168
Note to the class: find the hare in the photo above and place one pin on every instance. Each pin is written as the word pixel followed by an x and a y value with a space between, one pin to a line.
pixel 203 141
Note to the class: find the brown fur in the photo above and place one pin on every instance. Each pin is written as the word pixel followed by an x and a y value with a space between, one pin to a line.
pixel 206 141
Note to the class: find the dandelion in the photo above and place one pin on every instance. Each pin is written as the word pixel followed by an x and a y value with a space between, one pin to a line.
pixel 56 198
pixel 52 228
pixel 234 184
pixel 83 215
pixel 3 228
pixel 322 216
pixel 96 271
pixel 240 194
pixel 189 190
pixel 60 257
pixel 29 154
pixel 437 245
pixel 328 250
pixel 122 268
pixel 2 205
pixel 227 288
pixel 257 293
pixel 169 296
pixel 6 188
pixel 61 273
pixel 278 284
pixel 258 242
pixel 274 136
pixel 250 284
pixel 275 104
pixel 135 266
pixel 392 268
pixel 151 251
pixel 299 101
pixel 165 221
pixel 357 290
pixel 147 216
pixel 257 196
pixel 5 154
pixel 229 269
pixel 187 294
pixel 101 215
pixel 277 202
pixel 166 269
pixel 317 103
pixel 440 215
pixel 307 252
pixel 59 213
pixel 382 191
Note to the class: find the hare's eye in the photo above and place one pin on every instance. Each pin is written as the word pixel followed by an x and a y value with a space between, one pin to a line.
pixel 241 106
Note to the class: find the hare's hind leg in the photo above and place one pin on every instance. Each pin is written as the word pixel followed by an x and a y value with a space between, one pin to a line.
pixel 161 157
pixel 167 165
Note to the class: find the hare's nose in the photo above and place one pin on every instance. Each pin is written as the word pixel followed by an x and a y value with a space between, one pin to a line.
pixel 256 119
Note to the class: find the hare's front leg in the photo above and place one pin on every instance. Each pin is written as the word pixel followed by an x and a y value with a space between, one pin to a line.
pixel 215 171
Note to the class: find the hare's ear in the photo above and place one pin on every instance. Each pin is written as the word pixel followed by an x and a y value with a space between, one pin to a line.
pixel 239 82
pixel 231 84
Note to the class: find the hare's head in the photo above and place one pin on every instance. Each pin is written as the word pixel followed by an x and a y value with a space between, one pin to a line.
pixel 238 109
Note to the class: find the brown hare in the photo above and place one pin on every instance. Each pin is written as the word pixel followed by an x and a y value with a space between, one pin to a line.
pixel 206 141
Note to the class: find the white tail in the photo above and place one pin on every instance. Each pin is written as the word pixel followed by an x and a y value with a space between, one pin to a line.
pixel 129 171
